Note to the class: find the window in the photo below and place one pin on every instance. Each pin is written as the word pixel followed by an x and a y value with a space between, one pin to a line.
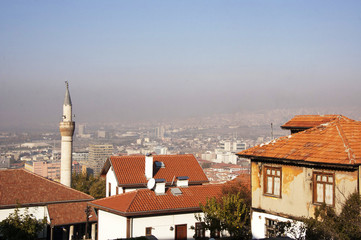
pixel 116 190
pixel 323 188
pixel 272 181
pixel 215 233
pixel 109 189
pixel 200 230
pixel 148 231
pixel 271 228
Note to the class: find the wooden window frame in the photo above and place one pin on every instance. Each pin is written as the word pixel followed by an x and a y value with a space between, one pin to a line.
pixel 148 231
pixel 265 185
pixel 200 231
pixel 315 182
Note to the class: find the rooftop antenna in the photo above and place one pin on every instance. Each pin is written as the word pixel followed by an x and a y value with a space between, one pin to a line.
pixel 272 131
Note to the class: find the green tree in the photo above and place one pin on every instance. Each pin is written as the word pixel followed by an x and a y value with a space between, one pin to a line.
pixel 21 226
pixel 86 183
pixel 97 189
pixel 230 213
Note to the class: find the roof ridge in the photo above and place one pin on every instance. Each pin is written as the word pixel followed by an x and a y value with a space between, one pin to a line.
pixel 348 149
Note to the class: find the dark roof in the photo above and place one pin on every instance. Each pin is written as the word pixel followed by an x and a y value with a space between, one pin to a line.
pixel 65 205
pixel 18 186
pixel 69 213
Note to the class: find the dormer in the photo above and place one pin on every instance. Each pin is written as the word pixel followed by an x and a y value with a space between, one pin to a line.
pixel 182 181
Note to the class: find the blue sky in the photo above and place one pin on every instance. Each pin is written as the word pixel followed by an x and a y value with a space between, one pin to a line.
pixel 168 59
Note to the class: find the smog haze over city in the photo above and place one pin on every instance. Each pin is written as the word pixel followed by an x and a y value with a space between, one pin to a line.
pixel 129 61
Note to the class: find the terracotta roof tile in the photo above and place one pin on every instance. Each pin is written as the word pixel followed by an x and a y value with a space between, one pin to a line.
pixel 22 187
pixel 69 213
pixel 308 121
pixel 130 169
pixel 145 201
pixel 335 142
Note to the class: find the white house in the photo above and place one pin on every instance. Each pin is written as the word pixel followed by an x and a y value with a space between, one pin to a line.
pixel 61 206
pixel 165 213
pixel 128 173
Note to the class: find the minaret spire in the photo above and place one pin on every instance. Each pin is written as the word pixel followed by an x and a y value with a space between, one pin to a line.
pixel 66 127
pixel 67 99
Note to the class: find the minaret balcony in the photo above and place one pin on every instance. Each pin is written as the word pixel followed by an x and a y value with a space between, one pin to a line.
pixel 67 128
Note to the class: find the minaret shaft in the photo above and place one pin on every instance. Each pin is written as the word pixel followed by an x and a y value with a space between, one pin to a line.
pixel 66 128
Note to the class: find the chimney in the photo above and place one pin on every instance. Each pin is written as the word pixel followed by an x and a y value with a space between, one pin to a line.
pixel 182 181
pixel 159 186
pixel 149 166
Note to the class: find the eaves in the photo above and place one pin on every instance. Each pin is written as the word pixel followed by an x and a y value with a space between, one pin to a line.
pixel 303 163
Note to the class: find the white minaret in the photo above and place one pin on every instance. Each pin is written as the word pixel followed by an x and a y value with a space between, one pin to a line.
pixel 66 127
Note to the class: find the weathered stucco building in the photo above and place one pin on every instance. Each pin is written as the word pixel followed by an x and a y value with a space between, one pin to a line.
pixel 319 163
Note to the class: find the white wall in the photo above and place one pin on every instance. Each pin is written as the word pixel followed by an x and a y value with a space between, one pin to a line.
pixel 38 212
pixel 161 225
pixel 110 178
pixel 111 226
pixel 258 224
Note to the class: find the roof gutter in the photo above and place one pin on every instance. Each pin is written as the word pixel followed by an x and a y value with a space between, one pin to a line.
pixel 301 162
pixel 43 203
pixel 147 213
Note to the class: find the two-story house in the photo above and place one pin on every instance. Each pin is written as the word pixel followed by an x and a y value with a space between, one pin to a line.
pixel 292 175
pixel 128 173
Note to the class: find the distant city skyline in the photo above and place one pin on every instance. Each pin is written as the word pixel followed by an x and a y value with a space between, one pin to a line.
pixel 138 60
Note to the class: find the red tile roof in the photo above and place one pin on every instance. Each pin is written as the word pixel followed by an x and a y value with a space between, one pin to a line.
pixel 308 121
pixel 335 142
pixel 69 213
pixel 131 169
pixel 18 186
pixel 146 202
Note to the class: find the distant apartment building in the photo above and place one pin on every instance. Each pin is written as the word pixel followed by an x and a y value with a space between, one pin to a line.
pixel 81 157
pixel 234 146
pixel 5 162
pixel 50 170
pixel 98 154
pixel 102 134
pixel 159 150
pixel 226 151
pixel 45 169
pixel 159 132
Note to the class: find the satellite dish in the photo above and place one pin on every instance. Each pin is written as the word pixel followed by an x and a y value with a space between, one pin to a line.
pixel 151 183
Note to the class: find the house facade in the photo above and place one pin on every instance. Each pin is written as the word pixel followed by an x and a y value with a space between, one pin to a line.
pixel 292 175
pixel 164 213
pixel 128 173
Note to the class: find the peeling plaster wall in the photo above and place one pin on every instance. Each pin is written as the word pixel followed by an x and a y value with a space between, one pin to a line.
pixel 297 190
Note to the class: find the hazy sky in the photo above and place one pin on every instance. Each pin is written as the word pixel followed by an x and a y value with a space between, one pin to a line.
pixel 127 60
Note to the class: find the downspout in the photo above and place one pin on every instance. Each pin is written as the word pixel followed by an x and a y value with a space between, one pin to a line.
pixel 358 179
pixel 131 227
